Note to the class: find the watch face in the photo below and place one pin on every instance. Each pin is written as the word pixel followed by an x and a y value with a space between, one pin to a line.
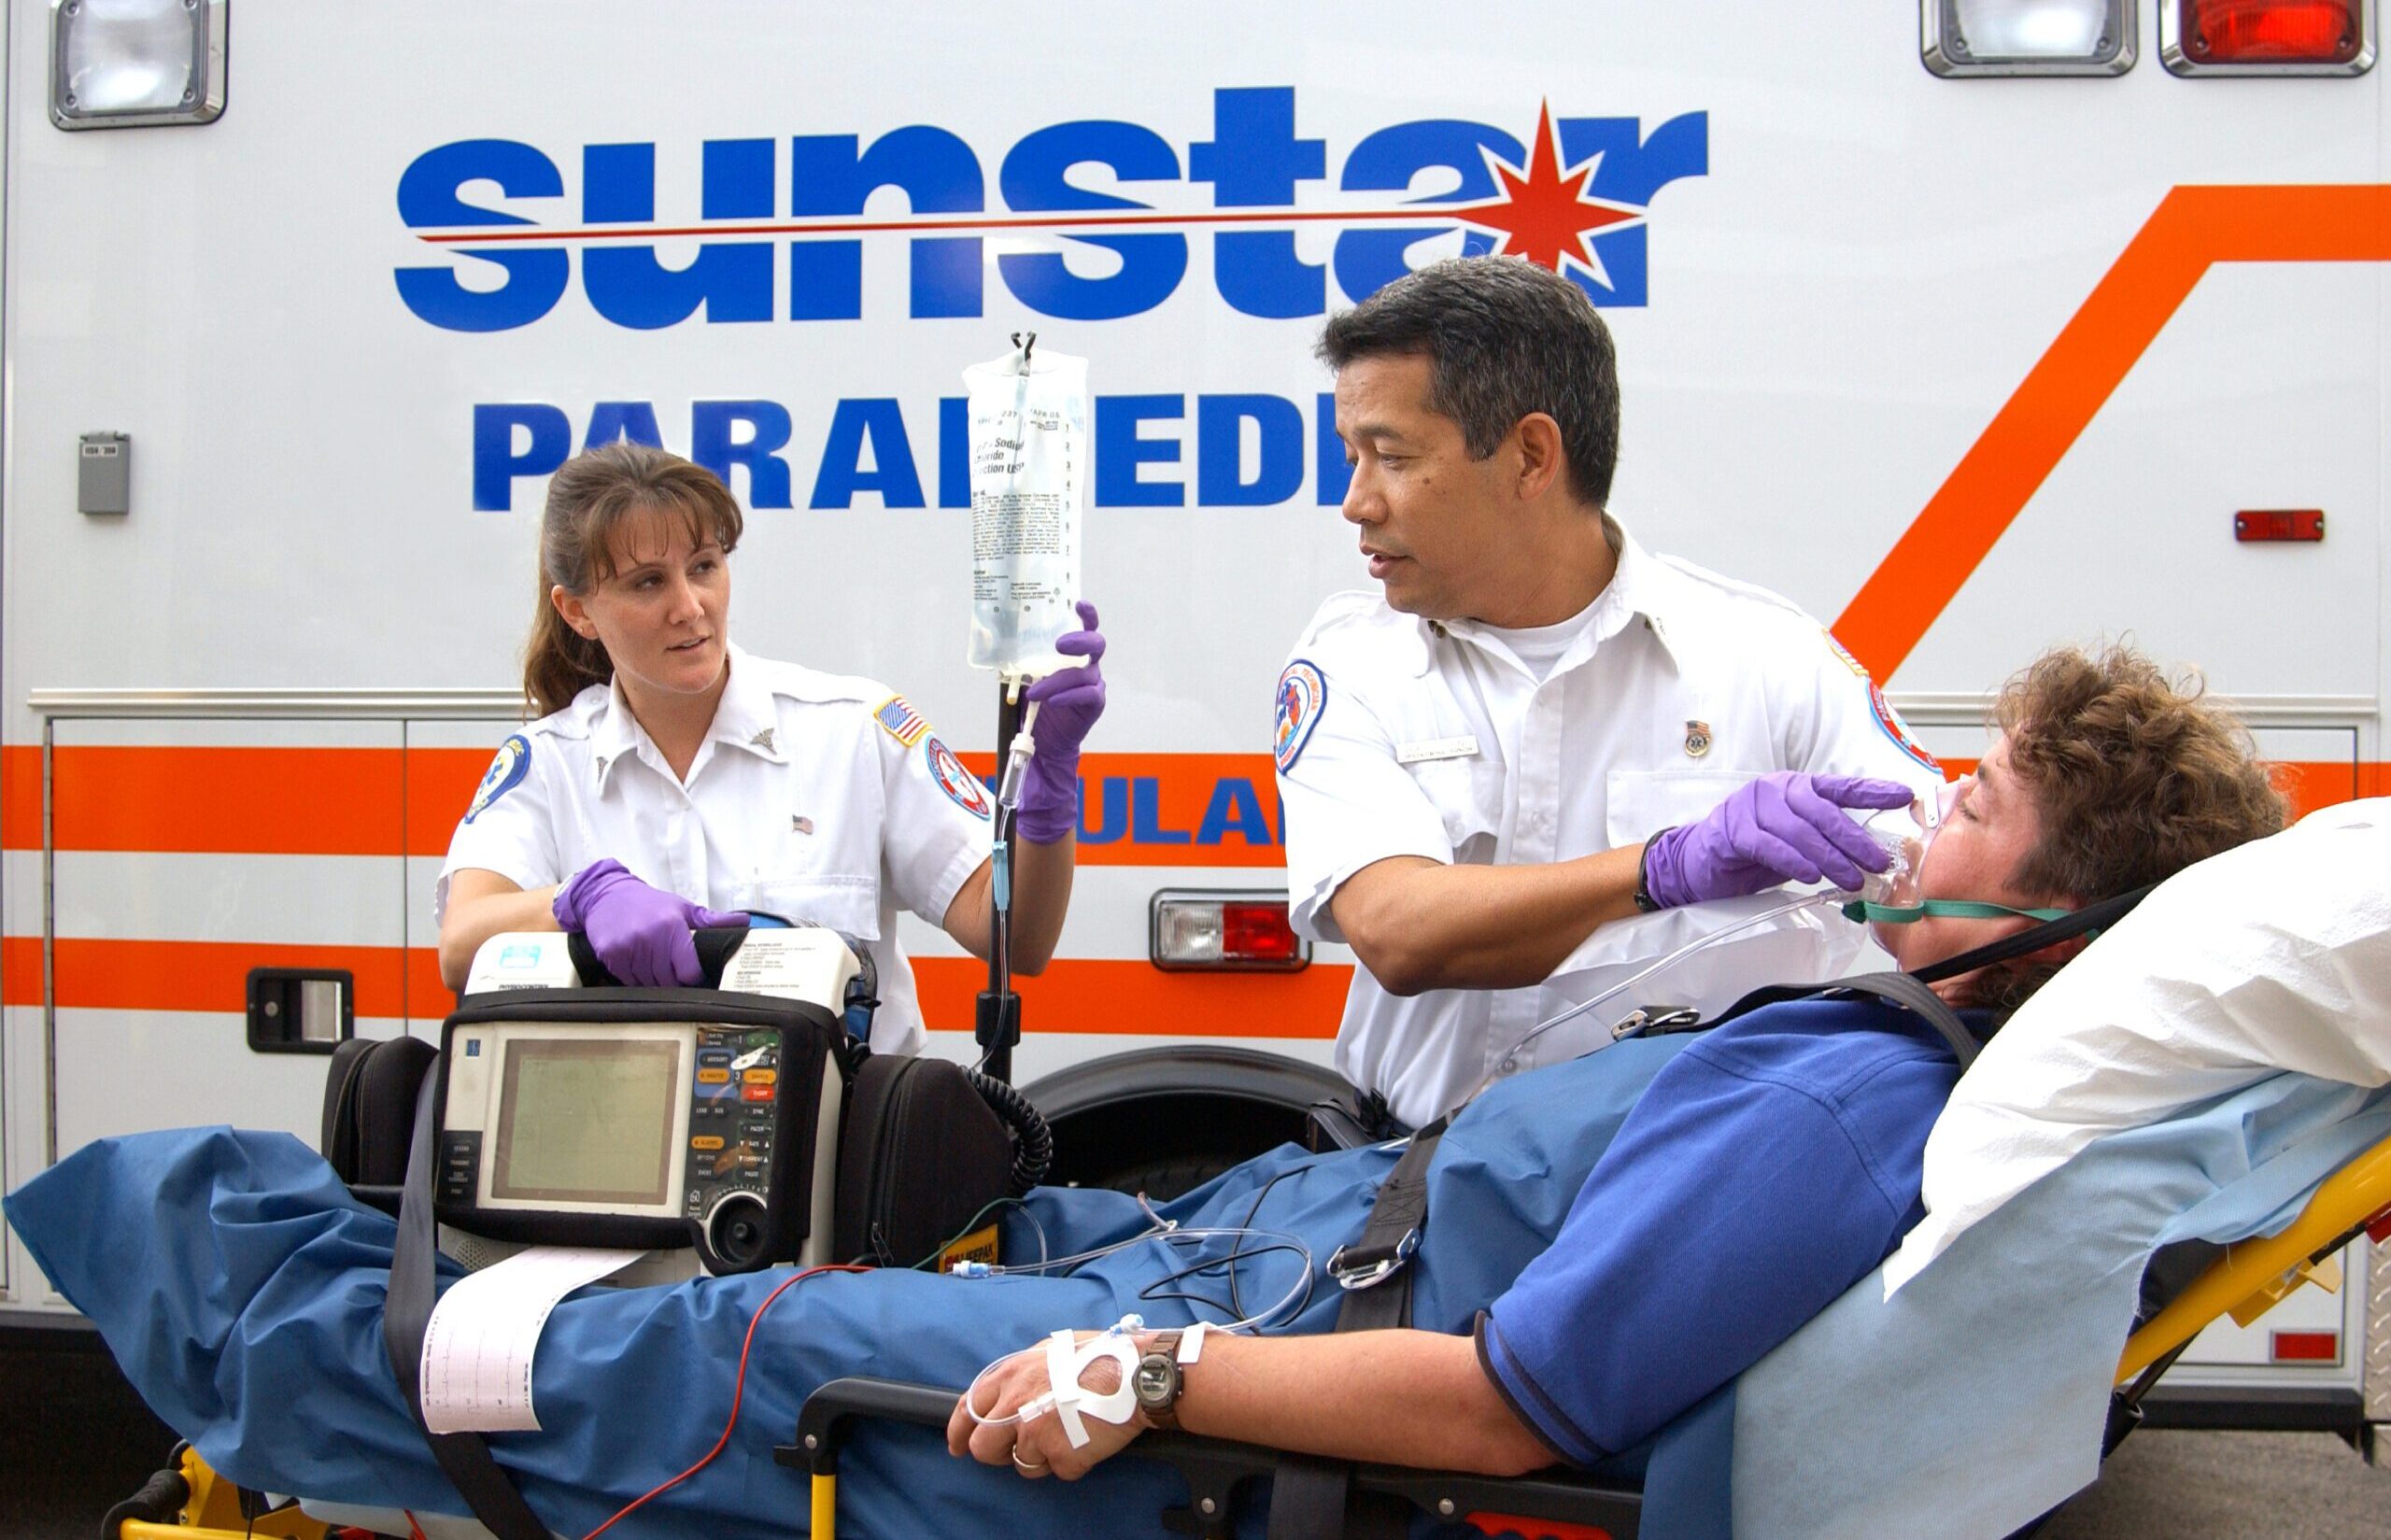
pixel 1154 1379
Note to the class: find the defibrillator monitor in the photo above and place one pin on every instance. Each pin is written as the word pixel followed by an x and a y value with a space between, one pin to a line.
pixel 640 1118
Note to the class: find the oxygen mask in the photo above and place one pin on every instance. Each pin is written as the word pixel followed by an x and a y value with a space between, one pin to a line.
pixel 1904 833
pixel 1895 897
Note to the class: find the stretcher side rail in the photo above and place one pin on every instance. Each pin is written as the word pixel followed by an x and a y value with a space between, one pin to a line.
pixel 1554 1504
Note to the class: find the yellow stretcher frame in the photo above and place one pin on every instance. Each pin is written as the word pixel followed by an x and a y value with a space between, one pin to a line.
pixel 2254 1275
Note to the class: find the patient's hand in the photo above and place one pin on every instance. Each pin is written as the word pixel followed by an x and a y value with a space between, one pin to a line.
pixel 1038 1446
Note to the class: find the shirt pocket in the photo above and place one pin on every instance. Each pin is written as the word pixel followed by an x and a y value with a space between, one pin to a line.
pixel 1641 803
pixel 849 905
pixel 1468 794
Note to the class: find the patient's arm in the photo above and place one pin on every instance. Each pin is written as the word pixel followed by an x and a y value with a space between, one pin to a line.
pixel 1401 1397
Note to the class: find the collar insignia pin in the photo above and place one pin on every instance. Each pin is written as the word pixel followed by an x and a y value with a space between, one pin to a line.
pixel 1697 739
pixel 763 740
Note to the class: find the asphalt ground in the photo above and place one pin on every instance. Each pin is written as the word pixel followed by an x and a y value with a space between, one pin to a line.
pixel 75 1440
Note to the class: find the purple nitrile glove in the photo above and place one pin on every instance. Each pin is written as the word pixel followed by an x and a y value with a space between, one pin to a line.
pixel 1068 704
pixel 641 933
pixel 1786 827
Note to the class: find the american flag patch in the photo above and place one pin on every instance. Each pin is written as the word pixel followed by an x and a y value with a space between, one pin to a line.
pixel 904 724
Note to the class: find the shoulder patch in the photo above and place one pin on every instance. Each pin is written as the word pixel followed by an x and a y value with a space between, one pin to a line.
pixel 904 724
pixel 1857 668
pixel 962 787
pixel 1303 695
pixel 1898 730
pixel 504 775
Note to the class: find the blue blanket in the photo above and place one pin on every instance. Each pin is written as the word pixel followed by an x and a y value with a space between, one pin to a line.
pixel 241 1288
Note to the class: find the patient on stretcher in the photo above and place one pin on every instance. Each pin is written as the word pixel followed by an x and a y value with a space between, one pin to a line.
pixel 1766 1169
pixel 1595 1263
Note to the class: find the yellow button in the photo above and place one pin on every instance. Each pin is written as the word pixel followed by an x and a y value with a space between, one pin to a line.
pixel 714 1076
pixel 706 1141
pixel 762 1077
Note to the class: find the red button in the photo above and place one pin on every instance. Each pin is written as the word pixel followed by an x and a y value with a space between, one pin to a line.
pixel 755 1093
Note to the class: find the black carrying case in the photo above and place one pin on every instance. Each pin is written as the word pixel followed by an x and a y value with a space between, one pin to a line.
pixel 921 1152
pixel 923 1155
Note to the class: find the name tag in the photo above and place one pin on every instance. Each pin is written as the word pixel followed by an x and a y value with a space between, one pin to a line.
pixel 1435 748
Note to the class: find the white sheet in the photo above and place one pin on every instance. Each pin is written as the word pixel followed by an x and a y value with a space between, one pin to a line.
pixel 2273 956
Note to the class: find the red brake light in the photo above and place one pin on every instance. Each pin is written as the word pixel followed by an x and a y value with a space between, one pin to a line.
pixel 2272 31
pixel 1256 933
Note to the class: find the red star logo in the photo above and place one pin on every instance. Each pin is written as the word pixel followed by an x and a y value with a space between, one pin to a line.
pixel 1542 214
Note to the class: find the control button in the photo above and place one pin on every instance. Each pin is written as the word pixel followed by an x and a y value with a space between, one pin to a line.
pixel 755 1093
pixel 706 1141
pixel 714 1076
pixel 762 1077
pixel 761 1040
pixel 714 1055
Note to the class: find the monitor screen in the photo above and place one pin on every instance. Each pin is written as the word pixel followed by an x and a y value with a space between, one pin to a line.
pixel 587 1120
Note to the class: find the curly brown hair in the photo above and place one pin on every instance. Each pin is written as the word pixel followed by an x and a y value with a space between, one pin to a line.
pixel 2135 775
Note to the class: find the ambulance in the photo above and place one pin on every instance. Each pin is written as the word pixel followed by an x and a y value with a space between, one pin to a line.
pixel 1970 326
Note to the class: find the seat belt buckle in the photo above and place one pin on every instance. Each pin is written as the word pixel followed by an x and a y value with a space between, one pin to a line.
pixel 1368 1266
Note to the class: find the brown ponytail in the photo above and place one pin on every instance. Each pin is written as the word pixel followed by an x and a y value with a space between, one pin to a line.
pixel 590 498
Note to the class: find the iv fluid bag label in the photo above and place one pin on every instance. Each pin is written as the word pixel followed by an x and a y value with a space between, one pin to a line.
pixel 1029 446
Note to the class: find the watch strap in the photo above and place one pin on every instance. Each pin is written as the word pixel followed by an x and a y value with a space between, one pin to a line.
pixel 1645 902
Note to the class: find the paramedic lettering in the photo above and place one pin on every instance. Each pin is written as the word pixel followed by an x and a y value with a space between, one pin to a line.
pixel 1574 199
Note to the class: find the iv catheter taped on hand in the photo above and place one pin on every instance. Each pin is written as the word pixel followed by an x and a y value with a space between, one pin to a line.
pixel 1027 417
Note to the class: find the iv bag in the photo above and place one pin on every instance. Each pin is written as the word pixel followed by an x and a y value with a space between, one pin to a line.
pixel 1029 439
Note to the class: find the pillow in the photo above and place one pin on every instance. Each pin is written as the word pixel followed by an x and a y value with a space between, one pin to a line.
pixel 2274 955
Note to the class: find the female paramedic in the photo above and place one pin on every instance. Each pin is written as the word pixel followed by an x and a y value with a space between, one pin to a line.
pixel 674 781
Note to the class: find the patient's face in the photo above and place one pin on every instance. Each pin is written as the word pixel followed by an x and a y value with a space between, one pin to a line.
pixel 1992 824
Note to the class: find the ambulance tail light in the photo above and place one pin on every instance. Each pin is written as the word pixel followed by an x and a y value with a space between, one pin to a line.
pixel 2268 36
pixel 1213 928
pixel 1963 37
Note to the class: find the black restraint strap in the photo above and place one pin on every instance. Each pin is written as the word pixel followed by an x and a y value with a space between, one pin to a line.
pixel 1903 989
pixel 463 1457
pixel 1310 1496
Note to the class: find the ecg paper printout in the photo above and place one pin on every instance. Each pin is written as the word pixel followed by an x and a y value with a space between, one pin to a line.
pixel 477 1347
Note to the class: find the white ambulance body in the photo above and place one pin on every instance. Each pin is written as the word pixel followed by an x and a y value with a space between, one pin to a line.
pixel 1965 365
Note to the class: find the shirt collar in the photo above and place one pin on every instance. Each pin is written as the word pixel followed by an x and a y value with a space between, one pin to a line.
pixel 745 718
pixel 1640 591
pixel 748 718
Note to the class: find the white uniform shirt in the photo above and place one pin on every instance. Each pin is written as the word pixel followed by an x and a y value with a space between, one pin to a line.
pixel 815 796
pixel 1403 737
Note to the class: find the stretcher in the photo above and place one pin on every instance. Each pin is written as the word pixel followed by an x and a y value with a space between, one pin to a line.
pixel 1221 1477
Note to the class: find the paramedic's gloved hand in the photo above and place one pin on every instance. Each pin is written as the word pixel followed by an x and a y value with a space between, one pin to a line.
pixel 642 934
pixel 1786 827
pixel 1068 704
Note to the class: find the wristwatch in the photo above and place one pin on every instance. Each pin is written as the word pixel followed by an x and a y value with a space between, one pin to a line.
pixel 1645 902
pixel 1157 1383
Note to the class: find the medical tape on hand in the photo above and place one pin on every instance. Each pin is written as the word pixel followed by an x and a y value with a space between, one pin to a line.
pixel 1066 1359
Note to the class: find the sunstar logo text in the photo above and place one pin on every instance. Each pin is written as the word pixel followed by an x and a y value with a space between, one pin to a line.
pixel 782 224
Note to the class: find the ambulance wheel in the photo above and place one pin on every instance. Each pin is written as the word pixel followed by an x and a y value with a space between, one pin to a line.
pixel 1163 1120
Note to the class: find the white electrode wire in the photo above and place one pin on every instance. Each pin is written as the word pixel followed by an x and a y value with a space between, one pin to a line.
pixel 1829 900
pixel 1038 1405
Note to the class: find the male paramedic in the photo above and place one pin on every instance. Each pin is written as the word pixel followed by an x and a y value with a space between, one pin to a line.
pixel 1765 1169
pixel 1479 762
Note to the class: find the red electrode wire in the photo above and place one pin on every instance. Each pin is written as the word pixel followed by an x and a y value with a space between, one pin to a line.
pixel 737 1391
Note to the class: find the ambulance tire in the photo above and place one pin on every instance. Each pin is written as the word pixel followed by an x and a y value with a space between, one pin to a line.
pixel 1164 1121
